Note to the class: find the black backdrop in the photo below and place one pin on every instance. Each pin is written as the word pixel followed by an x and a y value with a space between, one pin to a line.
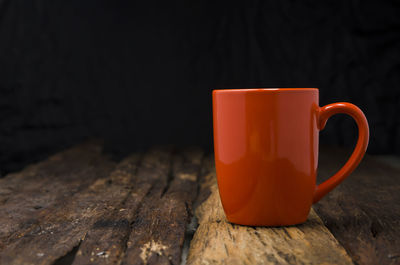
pixel 138 74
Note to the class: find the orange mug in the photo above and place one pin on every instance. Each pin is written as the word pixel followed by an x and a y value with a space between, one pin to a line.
pixel 266 152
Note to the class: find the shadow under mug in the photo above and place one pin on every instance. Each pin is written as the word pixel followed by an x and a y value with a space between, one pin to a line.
pixel 266 152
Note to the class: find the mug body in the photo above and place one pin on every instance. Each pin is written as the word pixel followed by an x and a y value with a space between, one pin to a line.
pixel 266 154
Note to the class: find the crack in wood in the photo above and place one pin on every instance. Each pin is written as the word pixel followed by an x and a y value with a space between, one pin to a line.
pixel 68 258
pixel 259 238
pixel 170 177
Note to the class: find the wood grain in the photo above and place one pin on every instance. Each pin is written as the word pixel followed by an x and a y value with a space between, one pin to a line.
pixel 363 213
pixel 218 242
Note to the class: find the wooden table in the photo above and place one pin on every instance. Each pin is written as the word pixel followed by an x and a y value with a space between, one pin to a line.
pixel 162 207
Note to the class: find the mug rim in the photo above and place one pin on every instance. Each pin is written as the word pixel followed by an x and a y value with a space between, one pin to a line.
pixel 266 89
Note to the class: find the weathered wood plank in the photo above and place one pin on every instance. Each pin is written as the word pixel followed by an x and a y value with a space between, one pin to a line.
pixel 123 216
pixel 138 214
pixel 28 194
pixel 363 213
pixel 106 240
pixel 218 242
pixel 34 177
pixel 159 229
pixel 59 227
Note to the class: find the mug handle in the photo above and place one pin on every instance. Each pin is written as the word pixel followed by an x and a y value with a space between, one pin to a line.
pixel 324 114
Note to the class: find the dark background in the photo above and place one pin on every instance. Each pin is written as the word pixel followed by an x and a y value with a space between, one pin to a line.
pixel 141 73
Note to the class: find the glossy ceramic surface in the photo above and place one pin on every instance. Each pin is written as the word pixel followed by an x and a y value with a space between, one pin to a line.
pixel 266 152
